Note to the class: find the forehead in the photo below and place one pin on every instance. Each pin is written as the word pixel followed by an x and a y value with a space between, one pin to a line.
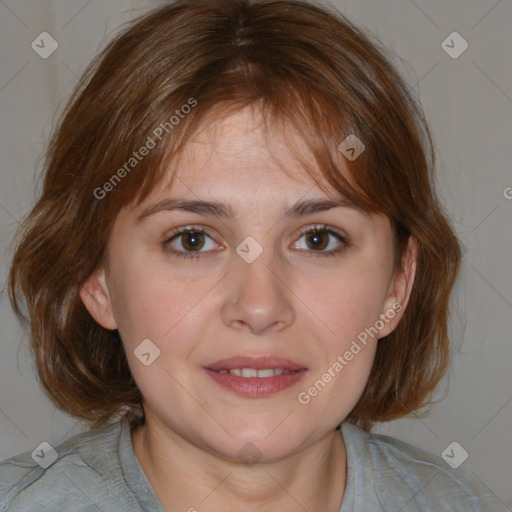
pixel 243 145
pixel 244 166
pixel 242 156
pixel 239 167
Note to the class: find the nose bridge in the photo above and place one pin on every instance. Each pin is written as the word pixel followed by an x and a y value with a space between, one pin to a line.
pixel 256 273
pixel 259 297
pixel 257 267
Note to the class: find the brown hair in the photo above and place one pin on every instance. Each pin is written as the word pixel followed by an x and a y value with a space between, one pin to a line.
pixel 300 64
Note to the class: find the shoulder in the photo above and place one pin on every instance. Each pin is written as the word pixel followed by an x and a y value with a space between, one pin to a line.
pixel 412 479
pixel 65 477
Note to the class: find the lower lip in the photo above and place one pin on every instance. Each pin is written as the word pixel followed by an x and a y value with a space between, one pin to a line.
pixel 256 387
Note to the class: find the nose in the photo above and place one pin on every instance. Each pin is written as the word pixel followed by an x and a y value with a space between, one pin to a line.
pixel 260 296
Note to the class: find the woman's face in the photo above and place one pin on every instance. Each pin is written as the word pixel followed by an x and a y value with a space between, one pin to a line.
pixel 251 281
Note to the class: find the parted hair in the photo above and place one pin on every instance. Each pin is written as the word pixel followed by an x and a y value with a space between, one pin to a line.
pixel 300 64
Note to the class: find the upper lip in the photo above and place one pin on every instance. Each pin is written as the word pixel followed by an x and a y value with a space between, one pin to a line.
pixel 255 362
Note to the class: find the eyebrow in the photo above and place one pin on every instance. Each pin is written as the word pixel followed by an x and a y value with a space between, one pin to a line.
pixel 222 210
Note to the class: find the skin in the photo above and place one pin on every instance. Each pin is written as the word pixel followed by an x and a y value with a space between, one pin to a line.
pixel 290 302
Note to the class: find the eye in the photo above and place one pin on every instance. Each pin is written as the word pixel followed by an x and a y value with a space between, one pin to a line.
pixel 185 242
pixel 319 237
pixel 191 241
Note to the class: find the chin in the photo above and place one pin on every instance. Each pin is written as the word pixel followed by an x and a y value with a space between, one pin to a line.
pixel 265 442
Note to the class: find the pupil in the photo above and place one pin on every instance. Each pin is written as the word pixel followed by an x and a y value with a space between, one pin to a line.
pixel 193 240
pixel 316 238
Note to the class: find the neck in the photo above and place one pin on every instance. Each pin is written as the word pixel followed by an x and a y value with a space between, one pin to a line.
pixel 186 477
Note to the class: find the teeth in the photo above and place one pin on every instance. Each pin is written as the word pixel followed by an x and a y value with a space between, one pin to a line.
pixel 251 372
pixel 264 373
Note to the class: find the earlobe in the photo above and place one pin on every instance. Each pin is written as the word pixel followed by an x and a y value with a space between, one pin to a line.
pixel 400 289
pixel 96 298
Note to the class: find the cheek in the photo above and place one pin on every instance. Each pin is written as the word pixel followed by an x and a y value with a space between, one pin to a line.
pixel 139 293
pixel 159 304
pixel 348 308
pixel 349 300
pixel 170 314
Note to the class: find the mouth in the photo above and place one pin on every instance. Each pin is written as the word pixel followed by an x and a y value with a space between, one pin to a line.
pixel 255 377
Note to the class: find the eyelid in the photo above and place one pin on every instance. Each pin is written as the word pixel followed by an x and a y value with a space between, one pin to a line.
pixel 323 227
pixel 189 228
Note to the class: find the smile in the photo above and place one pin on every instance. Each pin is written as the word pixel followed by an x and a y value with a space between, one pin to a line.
pixel 251 372
pixel 252 383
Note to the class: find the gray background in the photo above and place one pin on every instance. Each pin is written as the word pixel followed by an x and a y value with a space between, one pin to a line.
pixel 468 102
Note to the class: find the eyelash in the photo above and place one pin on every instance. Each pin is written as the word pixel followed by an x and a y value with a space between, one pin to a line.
pixel 317 227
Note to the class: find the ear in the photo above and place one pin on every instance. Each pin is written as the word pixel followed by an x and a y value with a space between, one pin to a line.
pixel 96 298
pixel 399 290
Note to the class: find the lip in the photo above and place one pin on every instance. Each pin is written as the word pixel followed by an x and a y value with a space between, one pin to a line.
pixel 255 362
pixel 255 387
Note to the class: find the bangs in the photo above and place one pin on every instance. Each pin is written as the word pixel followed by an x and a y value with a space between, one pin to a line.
pixel 313 146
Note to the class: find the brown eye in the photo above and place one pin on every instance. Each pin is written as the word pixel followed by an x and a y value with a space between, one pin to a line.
pixel 192 240
pixel 189 242
pixel 317 239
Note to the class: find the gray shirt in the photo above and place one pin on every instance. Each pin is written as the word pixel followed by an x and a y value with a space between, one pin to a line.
pixel 98 471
